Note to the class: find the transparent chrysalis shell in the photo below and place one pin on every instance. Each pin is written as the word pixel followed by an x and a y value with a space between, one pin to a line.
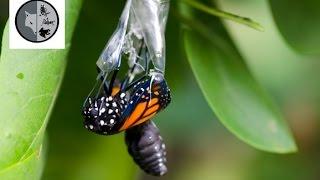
pixel 141 25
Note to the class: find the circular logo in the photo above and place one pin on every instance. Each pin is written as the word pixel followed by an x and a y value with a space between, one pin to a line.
pixel 37 21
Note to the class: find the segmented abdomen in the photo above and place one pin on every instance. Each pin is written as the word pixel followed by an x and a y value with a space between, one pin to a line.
pixel 146 147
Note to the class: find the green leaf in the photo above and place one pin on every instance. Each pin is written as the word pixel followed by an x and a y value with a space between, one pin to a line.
pixel 236 98
pixel 29 84
pixel 29 168
pixel 299 23
pixel 216 12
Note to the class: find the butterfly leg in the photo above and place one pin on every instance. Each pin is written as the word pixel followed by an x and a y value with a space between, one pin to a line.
pixel 130 76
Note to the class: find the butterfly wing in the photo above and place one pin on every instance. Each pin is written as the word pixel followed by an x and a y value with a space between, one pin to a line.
pixel 146 101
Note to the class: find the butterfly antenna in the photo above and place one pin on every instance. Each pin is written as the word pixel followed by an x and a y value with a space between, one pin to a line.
pixel 129 76
pixel 101 77
pixel 102 85
pixel 88 97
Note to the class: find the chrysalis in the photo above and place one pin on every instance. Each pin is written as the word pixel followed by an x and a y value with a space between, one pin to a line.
pixel 147 148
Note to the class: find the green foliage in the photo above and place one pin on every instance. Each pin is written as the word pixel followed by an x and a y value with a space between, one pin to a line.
pixel 233 94
pixel 28 168
pixel 30 80
pixel 299 23
pixel 226 15
pixel 29 84
pixel 96 157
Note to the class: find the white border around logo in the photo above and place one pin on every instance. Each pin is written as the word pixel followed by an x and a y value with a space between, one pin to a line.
pixel 17 42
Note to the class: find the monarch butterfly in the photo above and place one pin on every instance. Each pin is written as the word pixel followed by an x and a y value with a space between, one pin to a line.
pixel 147 148
pixel 126 106
pixel 130 108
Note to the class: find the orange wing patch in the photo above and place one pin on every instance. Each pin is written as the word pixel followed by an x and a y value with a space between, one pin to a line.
pixel 151 110
pixel 115 90
pixel 145 118
pixel 153 102
pixel 143 112
pixel 149 113
pixel 138 111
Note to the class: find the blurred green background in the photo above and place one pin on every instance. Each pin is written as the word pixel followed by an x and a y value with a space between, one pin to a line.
pixel 198 146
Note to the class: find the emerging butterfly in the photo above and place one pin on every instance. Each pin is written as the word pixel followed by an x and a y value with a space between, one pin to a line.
pixel 130 108
pixel 120 108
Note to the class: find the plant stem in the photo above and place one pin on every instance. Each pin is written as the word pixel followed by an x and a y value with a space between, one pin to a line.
pixel 216 12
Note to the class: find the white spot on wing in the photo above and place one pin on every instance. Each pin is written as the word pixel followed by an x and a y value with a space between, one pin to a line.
pixel 163 146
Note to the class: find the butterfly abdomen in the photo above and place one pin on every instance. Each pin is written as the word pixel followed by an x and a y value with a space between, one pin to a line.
pixel 146 147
